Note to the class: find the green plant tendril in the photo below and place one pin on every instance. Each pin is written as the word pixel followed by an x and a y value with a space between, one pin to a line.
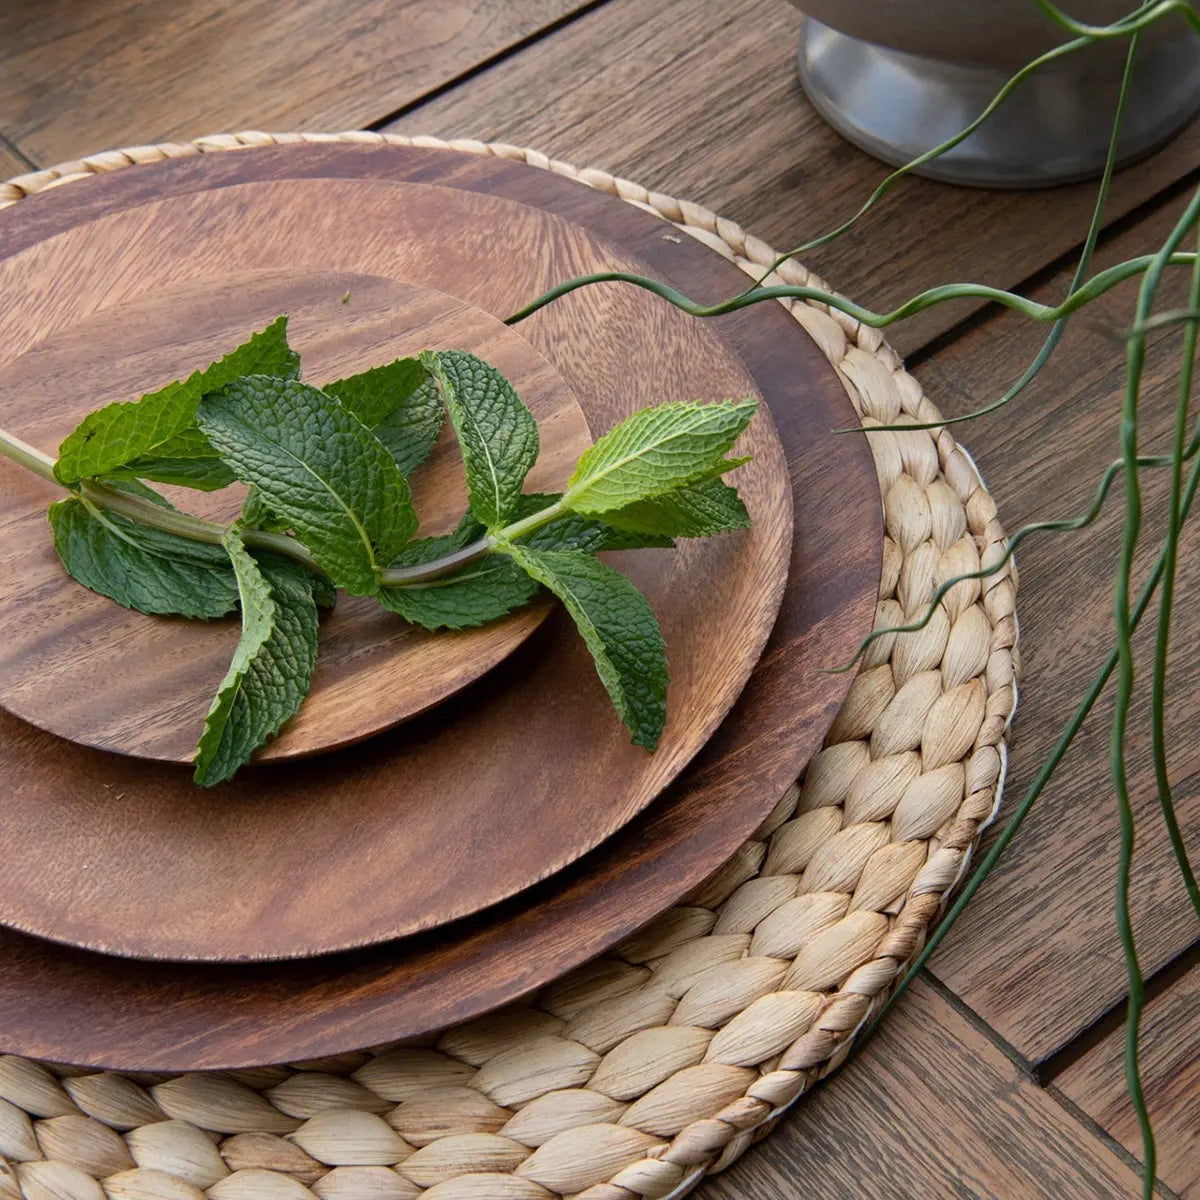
pixel 1082 291
pixel 1162 644
pixel 1079 43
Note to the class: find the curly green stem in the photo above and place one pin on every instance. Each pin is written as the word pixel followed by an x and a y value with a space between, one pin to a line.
pixel 1095 287
pixel 1079 43
pixel 1158 725
pixel 1122 619
pixel 1013 824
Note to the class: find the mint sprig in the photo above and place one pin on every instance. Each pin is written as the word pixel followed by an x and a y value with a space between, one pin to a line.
pixel 329 506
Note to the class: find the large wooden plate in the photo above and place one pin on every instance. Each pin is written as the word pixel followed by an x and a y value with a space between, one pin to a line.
pixel 73 1006
pixel 523 772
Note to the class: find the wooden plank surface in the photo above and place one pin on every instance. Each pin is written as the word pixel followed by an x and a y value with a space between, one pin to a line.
pixel 78 78
pixel 11 163
pixel 1170 1075
pixel 1036 953
pixel 701 100
pixel 932 1110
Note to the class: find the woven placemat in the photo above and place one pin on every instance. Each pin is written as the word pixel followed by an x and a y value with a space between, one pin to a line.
pixel 640 1071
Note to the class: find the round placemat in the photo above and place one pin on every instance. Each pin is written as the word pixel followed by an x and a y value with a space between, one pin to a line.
pixel 666 1058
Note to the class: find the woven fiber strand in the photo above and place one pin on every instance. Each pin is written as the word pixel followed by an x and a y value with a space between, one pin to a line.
pixel 638 1072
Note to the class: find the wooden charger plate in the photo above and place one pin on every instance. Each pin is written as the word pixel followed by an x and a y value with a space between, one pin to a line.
pixel 74 1006
pixel 481 798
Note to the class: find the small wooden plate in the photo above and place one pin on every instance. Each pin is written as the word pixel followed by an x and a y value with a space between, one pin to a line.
pixel 80 666
pixel 489 793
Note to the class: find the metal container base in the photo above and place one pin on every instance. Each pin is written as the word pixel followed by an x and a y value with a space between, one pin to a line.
pixel 1053 129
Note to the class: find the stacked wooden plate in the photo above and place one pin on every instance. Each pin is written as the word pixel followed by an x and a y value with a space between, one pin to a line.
pixel 456 818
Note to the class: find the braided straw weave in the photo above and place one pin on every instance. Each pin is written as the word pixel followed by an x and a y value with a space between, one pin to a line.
pixel 638 1072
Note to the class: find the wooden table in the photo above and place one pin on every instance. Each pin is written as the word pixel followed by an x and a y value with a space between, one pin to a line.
pixel 1000 1075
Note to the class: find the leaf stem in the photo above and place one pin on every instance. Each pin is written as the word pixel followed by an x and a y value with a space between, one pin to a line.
pixel 196 529
pixel 424 572
pixel 28 456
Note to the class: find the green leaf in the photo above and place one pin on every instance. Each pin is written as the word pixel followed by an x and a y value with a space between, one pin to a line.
pixel 400 404
pixel 654 452
pixel 324 593
pixel 186 460
pixel 117 435
pixel 135 487
pixel 319 468
pixel 473 595
pixel 139 567
pixel 620 630
pixel 700 510
pixel 256 514
pixel 496 432
pixel 272 666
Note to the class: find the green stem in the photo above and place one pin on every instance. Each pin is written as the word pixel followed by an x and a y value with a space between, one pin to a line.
pixel 424 572
pixel 1048 347
pixel 1158 726
pixel 1014 822
pixel 187 526
pixel 28 456
pixel 1081 42
pixel 1147 15
pixel 1135 365
pixel 1094 288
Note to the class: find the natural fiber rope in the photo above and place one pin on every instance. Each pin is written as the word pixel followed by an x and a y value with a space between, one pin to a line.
pixel 638 1072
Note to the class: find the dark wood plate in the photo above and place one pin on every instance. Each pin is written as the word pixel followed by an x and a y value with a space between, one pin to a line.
pixel 74 1006
pixel 523 772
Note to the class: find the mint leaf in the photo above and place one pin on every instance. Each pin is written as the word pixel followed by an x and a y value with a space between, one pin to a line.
pixel 473 595
pixel 272 666
pixel 700 510
pixel 324 593
pixel 496 432
pixel 186 460
pixel 655 451
pixel 620 630
pixel 140 567
pixel 319 468
pixel 256 514
pixel 135 487
pixel 400 404
pixel 117 435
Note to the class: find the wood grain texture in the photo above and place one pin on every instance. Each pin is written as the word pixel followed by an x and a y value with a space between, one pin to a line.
pixel 179 1018
pixel 500 767
pixel 1036 954
pixel 63 646
pixel 701 100
pixel 78 77
pixel 1170 1075
pixel 933 1109
pixel 11 162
